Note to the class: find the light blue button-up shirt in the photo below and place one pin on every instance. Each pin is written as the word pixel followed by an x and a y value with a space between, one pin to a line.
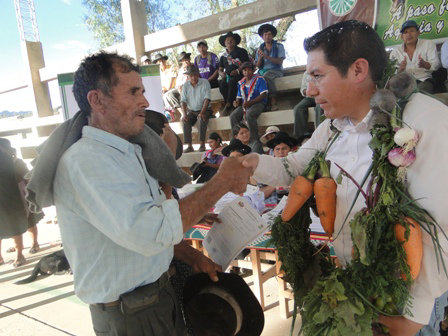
pixel 194 96
pixel 117 227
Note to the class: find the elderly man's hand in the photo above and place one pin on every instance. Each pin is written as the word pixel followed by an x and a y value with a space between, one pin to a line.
pixel 209 219
pixel 202 264
pixel 234 175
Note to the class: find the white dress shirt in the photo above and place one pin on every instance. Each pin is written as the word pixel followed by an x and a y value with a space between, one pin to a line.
pixel 427 50
pixel 427 182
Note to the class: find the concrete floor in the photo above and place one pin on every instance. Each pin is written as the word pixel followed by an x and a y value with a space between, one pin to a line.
pixel 49 307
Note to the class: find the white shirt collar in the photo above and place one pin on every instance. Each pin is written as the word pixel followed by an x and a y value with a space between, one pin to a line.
pixel 344 124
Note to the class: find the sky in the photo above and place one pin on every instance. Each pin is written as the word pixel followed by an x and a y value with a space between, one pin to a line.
pixel 66 40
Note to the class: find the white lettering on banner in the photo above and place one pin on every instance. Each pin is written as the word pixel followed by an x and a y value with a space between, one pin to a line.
pixel 396 16
pixel 391 33
pixel 420 11
pixel 440 25
pixel 425 27
pixel 443 7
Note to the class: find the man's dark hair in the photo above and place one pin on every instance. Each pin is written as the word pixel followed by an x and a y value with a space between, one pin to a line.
pixel 237 127
pixel 98 71
pixel 344 42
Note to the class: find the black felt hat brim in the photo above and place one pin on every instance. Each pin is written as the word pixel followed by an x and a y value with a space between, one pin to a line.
pixel 236 37
pixel 253 317
pixel 236 146
pixel 265 27
pixel 282 138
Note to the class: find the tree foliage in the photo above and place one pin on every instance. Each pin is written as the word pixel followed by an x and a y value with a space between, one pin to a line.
pixel 105 21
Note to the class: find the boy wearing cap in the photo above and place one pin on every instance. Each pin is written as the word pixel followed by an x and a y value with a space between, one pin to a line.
pixel 269 59
pixel 416 56
pixel 207 63
pixel 230 70
pixel 250 101
pixel 195 102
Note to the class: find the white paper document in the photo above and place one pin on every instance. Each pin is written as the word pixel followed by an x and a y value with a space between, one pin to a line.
pixel 240 225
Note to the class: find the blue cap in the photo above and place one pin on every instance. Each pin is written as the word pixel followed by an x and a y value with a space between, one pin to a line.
pixel 408 24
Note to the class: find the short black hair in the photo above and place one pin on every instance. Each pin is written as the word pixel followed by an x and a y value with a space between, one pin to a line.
pixel 345 42
pixel 237 127
pixel 215 136
pixel 98 71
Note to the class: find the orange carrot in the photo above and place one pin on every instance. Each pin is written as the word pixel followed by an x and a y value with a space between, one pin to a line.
pixel 325 193
pixel 413 246
pixel 301 190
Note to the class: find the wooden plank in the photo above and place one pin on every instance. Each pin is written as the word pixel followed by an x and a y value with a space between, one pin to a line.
pixel 233 19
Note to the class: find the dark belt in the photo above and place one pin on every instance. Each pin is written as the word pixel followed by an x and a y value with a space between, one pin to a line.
pixel 162 281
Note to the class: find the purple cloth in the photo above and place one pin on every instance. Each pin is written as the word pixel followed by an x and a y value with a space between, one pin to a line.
pixel 207 66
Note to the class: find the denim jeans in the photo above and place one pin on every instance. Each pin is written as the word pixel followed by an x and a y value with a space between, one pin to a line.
pixel 433 327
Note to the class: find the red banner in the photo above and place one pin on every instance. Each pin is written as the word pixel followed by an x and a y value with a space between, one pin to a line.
pixel 333 11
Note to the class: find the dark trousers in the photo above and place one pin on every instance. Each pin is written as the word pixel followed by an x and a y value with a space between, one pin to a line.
pixel 252 115
pixel 192 118
pixel 229 88
pixel 160 317
pixel 301 116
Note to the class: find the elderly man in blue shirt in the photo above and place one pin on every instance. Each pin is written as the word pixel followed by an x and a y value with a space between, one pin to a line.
pixel 269 60
pixel 195 103
pixel 119 226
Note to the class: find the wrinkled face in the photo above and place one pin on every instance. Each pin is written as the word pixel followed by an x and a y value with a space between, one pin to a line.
pixel 331 91
pixel 229 42
pixel 243 135
pixel 193 78
pixel 236 154
pixel 281 150
pixel 410 35
pixel 248 72
pixel 213 144
pixel 125 107
pixel 202 48
pixel 267 36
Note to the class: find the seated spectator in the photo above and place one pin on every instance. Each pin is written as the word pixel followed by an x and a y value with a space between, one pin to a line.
pixel 207 63
pixel 301 111
pixel 230 70
pixel 444 58
pixel 212 158
pixel 172 97
pixel 281 144
pixel 145 60
pixel 168 79
pixel 250 101
pixel 195 105
pixel 270 133
pixel 416 56
pixel 269 60
pixel 241 132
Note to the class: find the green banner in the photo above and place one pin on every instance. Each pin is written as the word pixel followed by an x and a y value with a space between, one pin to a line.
pixel 431 16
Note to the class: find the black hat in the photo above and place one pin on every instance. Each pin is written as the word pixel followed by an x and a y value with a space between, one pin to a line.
pixel 197 169
pixel 183 55
pixel 267 27
pixel 236 146
pixel 226 307
pixel 235 36
pixel 282 137
pixel 159 57
pixel 408 24
pixel 191 70
pixel 247 65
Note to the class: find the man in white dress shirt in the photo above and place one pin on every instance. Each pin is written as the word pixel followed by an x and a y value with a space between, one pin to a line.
pixel 416 56
pixel 344 63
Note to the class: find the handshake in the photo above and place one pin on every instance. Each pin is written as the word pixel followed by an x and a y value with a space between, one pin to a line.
pixel 234 173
